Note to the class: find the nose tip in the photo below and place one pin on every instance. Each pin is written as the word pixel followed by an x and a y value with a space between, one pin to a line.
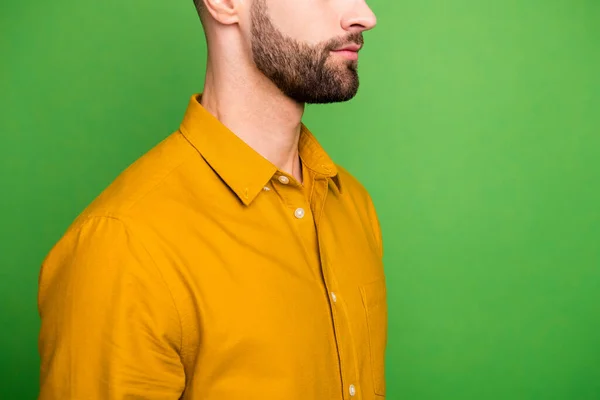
pixel 362 18
pixel 371 22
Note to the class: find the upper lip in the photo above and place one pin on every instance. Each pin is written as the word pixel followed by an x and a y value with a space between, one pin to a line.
pixel 351 47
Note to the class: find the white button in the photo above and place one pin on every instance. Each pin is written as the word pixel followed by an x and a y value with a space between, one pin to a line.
pixel 284 179
pixel 333 297
pixel 299 213
pixel 352 390
pixel 266 188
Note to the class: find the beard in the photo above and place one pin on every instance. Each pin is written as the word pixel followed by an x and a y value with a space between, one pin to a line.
pixel 299 70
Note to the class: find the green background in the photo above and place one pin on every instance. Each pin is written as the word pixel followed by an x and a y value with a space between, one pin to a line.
pixel 476 130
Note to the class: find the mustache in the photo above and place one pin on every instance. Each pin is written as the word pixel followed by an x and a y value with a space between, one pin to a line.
pixel 352 38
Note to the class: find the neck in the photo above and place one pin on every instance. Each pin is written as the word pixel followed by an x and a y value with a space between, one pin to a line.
pixel 254 109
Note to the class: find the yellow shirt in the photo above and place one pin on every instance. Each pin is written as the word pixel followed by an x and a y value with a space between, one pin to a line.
pixel 204 272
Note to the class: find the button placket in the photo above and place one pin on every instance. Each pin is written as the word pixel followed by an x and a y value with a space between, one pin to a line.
pixel 343 333
pixel 318 207
pixel 299 212
pixel 300 207
pixel 345 343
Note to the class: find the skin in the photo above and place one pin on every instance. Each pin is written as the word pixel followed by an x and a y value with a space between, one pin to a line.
pixel 268 58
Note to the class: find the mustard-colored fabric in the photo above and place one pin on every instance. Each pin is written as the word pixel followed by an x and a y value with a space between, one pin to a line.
pixel 195 275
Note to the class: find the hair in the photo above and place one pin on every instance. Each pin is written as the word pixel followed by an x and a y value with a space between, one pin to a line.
pixel 199 5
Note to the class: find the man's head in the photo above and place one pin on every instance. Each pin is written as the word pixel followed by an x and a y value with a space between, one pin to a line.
pixel 307 48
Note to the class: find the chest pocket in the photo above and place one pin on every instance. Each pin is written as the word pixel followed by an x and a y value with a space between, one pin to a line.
pixel 375 304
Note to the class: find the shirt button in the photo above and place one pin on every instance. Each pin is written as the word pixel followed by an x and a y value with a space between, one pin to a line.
pixel 299 213
pixel 266 188
pixel 352 390
pixel 333 297
pixel 284 179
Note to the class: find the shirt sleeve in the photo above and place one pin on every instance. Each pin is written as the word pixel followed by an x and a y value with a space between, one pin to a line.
pixel 109 326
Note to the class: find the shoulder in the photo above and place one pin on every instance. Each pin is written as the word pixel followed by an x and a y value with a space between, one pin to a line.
pixel 145 180
pixel 114 221
pixel 354 190
pixel 352 185
pixel 133 199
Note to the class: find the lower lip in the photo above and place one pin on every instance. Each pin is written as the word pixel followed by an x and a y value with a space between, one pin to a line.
pixel 350 55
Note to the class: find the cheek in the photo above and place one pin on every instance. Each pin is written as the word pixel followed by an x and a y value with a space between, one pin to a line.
pixel 307 21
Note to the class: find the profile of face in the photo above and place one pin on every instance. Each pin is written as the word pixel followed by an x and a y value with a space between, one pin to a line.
pixel 310 62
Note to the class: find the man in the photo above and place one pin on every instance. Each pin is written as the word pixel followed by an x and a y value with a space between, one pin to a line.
pixel 234 260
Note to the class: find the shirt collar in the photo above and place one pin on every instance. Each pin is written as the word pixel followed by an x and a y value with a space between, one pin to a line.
pixel 316 159
pixel 243 169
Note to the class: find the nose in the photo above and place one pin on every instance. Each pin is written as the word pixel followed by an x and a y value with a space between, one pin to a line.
pixel 359 17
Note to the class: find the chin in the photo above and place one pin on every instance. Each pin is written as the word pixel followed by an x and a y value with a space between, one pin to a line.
pixel 338 97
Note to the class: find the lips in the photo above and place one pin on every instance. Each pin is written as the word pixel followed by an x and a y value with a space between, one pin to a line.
pixel 350 55
pixel 349 52
pixel 352 47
